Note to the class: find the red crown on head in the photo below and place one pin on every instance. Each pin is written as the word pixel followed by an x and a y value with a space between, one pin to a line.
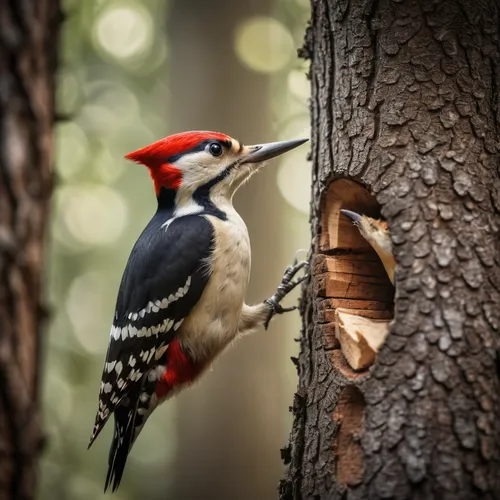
pixel 157 153
pixel 156 156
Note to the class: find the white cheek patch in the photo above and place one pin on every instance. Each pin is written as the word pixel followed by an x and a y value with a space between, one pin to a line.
pixel 199 167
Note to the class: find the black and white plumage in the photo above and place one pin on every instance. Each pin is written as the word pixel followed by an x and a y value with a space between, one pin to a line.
pixel 130 416
pixel 182 296
pixel 164 278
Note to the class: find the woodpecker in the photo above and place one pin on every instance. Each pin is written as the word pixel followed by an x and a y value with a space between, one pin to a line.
pixel 181 300
pixel 377 233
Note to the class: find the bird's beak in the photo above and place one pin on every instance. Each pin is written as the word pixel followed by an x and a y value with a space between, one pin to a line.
pixel 356 218
pixel 261 152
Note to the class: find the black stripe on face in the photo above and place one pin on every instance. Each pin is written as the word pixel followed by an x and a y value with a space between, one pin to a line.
pixel 198 148
pixel 202 193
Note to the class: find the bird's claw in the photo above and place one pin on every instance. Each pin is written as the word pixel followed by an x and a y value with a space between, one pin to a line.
pixel 284 288
pixel 295 257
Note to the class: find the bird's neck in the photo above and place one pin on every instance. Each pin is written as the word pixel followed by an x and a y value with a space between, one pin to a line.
pixel 166 199
pixel 388 261
pixel 183 202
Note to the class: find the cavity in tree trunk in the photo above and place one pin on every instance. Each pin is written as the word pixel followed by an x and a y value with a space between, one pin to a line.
pixel 405 102
pixel 28 41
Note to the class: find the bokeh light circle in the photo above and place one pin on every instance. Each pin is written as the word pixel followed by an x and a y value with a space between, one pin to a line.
pixel 294 181
pixel 299 84
pixel 264 44
pixel 71 149
pixel 93 214
pixel 124 31
pixel 87 311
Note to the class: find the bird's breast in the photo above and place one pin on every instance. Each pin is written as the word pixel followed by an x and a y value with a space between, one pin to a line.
pixel 213 322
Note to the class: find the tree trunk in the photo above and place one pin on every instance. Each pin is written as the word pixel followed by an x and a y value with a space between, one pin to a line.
pixel 28 44
pixel 405 101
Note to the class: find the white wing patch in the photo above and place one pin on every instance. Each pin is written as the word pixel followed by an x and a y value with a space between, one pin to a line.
pixel 154 307
pixel 135 360
pixel 132 331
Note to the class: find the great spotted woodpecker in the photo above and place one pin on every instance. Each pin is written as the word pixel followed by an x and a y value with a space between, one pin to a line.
pixel 181 298
pixel 377 233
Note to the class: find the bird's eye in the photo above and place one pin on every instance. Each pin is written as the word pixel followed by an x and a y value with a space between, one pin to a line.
pixel 215 149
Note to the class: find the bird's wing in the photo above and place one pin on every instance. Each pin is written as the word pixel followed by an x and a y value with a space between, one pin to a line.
pixel 164 278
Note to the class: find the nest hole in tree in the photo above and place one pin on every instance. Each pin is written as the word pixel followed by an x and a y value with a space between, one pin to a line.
pixel 356 297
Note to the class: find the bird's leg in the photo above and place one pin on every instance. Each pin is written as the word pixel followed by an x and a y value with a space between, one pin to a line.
pixel 284 288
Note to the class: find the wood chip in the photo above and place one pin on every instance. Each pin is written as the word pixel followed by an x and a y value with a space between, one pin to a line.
pixel 360 338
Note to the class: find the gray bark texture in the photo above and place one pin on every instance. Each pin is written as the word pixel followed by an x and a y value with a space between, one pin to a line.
pixel 405 100
pixel 28 42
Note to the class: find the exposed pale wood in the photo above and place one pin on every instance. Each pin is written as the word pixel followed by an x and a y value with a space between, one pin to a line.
pixel 369 314
pixel 342 366
pixel 370 256
pixel 328 286
pixel 337 230
pixel 360 338
pixel 325 309
pixel 374 305
pixel 367 264
pixel 361 278
pixel 329 314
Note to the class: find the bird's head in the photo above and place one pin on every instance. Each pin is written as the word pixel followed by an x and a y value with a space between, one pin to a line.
pixel 377 233
pixel 211 162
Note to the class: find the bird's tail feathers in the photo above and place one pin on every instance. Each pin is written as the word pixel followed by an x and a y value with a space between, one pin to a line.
pixel 130 417
pixel 123 439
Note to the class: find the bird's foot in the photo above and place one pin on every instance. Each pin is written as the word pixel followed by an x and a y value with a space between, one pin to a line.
pixel 284 288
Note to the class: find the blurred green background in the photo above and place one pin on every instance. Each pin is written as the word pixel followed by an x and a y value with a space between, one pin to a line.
pixel 131 72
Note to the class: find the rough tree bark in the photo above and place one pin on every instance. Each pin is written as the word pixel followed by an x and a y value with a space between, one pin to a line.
pixel 405 100
pixel 28 41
